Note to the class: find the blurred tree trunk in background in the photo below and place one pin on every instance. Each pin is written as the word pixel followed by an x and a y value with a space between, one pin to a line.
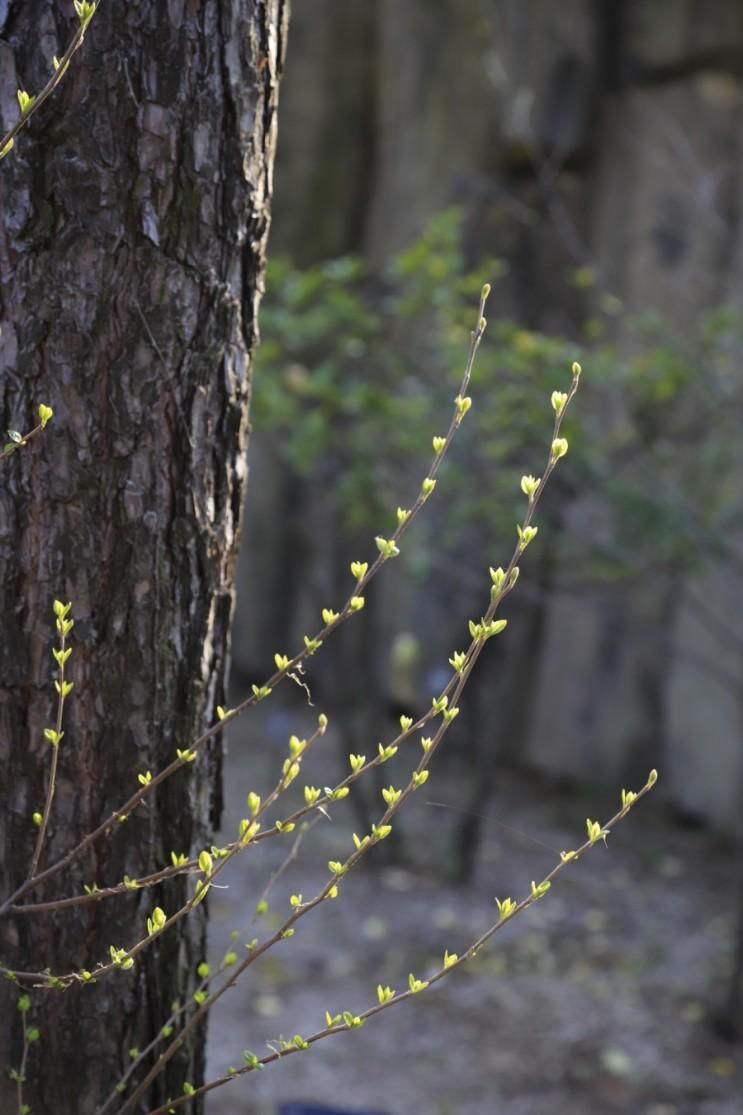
pixel 135 212
pixel 593 146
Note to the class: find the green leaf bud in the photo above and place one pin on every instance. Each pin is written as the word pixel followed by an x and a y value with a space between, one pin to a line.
pixel 498 577
pixel 529 485
pixel 558 400
pixel 559 447
pixel 296 746
pixel 505 908
pixel 25 101
pixel 387 547
pixel 247 829
pixel 201 890
pixel 595 831
pixel 157 921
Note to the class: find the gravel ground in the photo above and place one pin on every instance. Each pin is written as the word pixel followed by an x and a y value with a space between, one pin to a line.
pixel 599 999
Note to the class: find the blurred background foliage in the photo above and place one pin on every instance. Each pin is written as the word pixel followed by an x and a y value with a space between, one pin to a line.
pixel 354 368
pixel 584 159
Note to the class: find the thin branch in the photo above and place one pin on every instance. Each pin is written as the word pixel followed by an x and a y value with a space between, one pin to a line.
pixel 503 583
pixel 13 445
pixel 63 687
pixel 204 983
pixel 85 12
pixel 451 962
pixel 288 666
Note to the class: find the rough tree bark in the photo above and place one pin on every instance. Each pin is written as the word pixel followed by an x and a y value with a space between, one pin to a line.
pixel 134 219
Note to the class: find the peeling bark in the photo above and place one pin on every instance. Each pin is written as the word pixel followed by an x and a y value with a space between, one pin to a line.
pixel 135 211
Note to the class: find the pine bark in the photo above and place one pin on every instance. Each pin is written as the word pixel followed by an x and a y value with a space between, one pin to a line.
pixel 134 215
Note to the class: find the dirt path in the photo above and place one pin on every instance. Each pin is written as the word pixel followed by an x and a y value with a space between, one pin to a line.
pixel 598 1000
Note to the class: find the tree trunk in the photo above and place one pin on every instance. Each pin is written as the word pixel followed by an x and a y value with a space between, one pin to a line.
pixel 135 212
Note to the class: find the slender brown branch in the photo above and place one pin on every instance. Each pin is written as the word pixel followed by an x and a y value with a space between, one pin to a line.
pixel 176 1014
pixel 600 833
pixel 350 608
pixel 8 140
pixel 63 627
pixel 441 705
pixel 12 447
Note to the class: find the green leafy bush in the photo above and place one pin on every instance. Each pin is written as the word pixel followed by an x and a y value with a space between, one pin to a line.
pixel 353 366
